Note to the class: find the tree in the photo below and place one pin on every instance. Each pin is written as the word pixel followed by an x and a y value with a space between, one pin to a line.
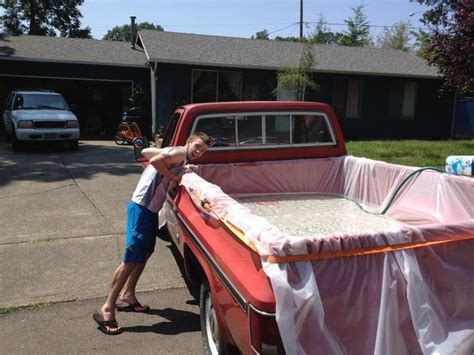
pixel 452 41
pixel 357 34
pixel 44 18
pixel 124 32
pixel 422 44
pixel 261 35
pixel 289 39
pixel 322 34
pixel 81 33
pixel 297 80
pixel 396 37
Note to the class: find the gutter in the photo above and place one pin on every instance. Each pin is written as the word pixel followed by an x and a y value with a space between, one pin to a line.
pixel 262 67
pixel 25 59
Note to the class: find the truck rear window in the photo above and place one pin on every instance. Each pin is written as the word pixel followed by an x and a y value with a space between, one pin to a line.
pixel 242 130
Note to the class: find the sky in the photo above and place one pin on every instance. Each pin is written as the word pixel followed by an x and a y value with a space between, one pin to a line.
pixel 243 18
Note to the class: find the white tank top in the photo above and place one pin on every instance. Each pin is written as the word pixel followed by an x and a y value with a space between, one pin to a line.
pixel 152 186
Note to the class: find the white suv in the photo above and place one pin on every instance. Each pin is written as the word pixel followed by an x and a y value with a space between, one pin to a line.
pixel 39 116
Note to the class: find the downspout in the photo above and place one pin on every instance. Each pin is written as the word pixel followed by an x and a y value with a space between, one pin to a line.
pixel 153 70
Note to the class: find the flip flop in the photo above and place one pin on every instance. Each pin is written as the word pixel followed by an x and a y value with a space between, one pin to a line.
pixel 109 327
pixel 132 307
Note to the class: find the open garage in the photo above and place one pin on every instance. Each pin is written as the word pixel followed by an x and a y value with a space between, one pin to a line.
pixel 96 79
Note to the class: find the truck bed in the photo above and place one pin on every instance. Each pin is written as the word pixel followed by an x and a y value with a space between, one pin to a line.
pixel 364 276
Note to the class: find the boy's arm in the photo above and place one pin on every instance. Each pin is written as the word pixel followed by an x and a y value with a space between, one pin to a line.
pixel 164 161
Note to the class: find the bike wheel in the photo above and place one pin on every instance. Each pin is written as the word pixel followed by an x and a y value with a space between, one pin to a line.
pixel 119 137
pixel 119 140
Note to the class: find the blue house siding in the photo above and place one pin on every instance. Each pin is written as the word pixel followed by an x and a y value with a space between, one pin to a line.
pixel 432 117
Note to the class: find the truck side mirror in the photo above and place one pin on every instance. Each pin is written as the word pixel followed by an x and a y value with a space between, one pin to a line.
pixel 139 144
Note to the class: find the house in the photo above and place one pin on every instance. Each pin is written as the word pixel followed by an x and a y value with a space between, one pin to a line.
pixel 376 93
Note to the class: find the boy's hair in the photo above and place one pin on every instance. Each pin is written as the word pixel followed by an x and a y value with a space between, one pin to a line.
pixel 200 135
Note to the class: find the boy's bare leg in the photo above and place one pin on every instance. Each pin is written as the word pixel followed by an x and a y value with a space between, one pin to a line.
pixel 128 294
pixel 121 274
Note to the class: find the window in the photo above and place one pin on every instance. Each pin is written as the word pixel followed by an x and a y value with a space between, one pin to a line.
pixel 277 129
pixel 170 129
pixel 222 128
pixel 347 98
pixel 39 101
pixel 204 86
pixel 229 86
pixel 249 130
pixel 402 98
pixel 267 129
pixel 310 129
pixel 212 86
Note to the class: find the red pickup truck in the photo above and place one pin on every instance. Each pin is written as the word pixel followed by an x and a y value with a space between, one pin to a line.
pixel 295 247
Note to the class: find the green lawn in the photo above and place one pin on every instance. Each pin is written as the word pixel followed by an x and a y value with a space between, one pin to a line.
pixel 411 152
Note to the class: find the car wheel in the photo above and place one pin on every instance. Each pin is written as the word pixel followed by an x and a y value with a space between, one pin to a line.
pixel 74 145
pixel 8 137
pixel 210 333
pixel 14 140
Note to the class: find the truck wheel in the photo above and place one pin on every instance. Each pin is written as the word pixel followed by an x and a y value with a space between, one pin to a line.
pixel 210 333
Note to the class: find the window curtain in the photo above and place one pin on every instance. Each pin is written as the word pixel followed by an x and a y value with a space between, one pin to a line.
pixel 353 99
pixel 409 96
pixel 196 75
pixel 234 80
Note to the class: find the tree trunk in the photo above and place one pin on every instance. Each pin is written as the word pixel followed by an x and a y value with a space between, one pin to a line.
pixel 34 28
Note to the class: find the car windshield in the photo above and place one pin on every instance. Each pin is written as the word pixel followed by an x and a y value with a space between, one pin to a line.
pixel 40 101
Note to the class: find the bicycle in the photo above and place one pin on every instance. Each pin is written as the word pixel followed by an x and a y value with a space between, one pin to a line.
pixel 126 132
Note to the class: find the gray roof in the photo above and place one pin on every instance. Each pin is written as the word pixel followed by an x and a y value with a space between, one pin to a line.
pixel 70 50
pixel 171 47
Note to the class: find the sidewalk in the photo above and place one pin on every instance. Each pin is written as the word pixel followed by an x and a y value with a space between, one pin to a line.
pixel 171 327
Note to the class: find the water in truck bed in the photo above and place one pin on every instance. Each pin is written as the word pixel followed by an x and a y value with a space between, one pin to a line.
pixel 314 214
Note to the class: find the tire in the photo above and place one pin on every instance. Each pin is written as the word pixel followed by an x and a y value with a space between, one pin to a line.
pixel 8 137
pixel 119 140
pixel 14 140
pixel 74 145
pixel 210 333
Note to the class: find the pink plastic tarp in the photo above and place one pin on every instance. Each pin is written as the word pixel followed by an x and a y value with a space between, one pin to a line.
pixel 403 302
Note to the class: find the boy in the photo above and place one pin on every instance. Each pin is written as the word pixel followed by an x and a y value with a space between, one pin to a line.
pixel 166 165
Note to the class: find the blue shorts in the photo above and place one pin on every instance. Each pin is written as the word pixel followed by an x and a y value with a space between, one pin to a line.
pixel 142 227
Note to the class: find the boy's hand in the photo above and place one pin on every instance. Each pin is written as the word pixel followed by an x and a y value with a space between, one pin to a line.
pixel 191 168
pixel 177 178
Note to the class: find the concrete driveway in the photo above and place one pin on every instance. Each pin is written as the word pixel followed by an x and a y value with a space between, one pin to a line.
pixel 63 218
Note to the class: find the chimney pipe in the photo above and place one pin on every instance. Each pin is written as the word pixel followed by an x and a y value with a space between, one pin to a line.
pixel 134 31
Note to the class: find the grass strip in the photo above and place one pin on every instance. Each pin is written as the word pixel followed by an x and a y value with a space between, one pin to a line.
pixel 32 307
pixel 411 152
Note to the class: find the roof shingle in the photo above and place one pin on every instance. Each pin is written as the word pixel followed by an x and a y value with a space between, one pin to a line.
pixel 172 47
pixel 74 50
pixel 184 48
